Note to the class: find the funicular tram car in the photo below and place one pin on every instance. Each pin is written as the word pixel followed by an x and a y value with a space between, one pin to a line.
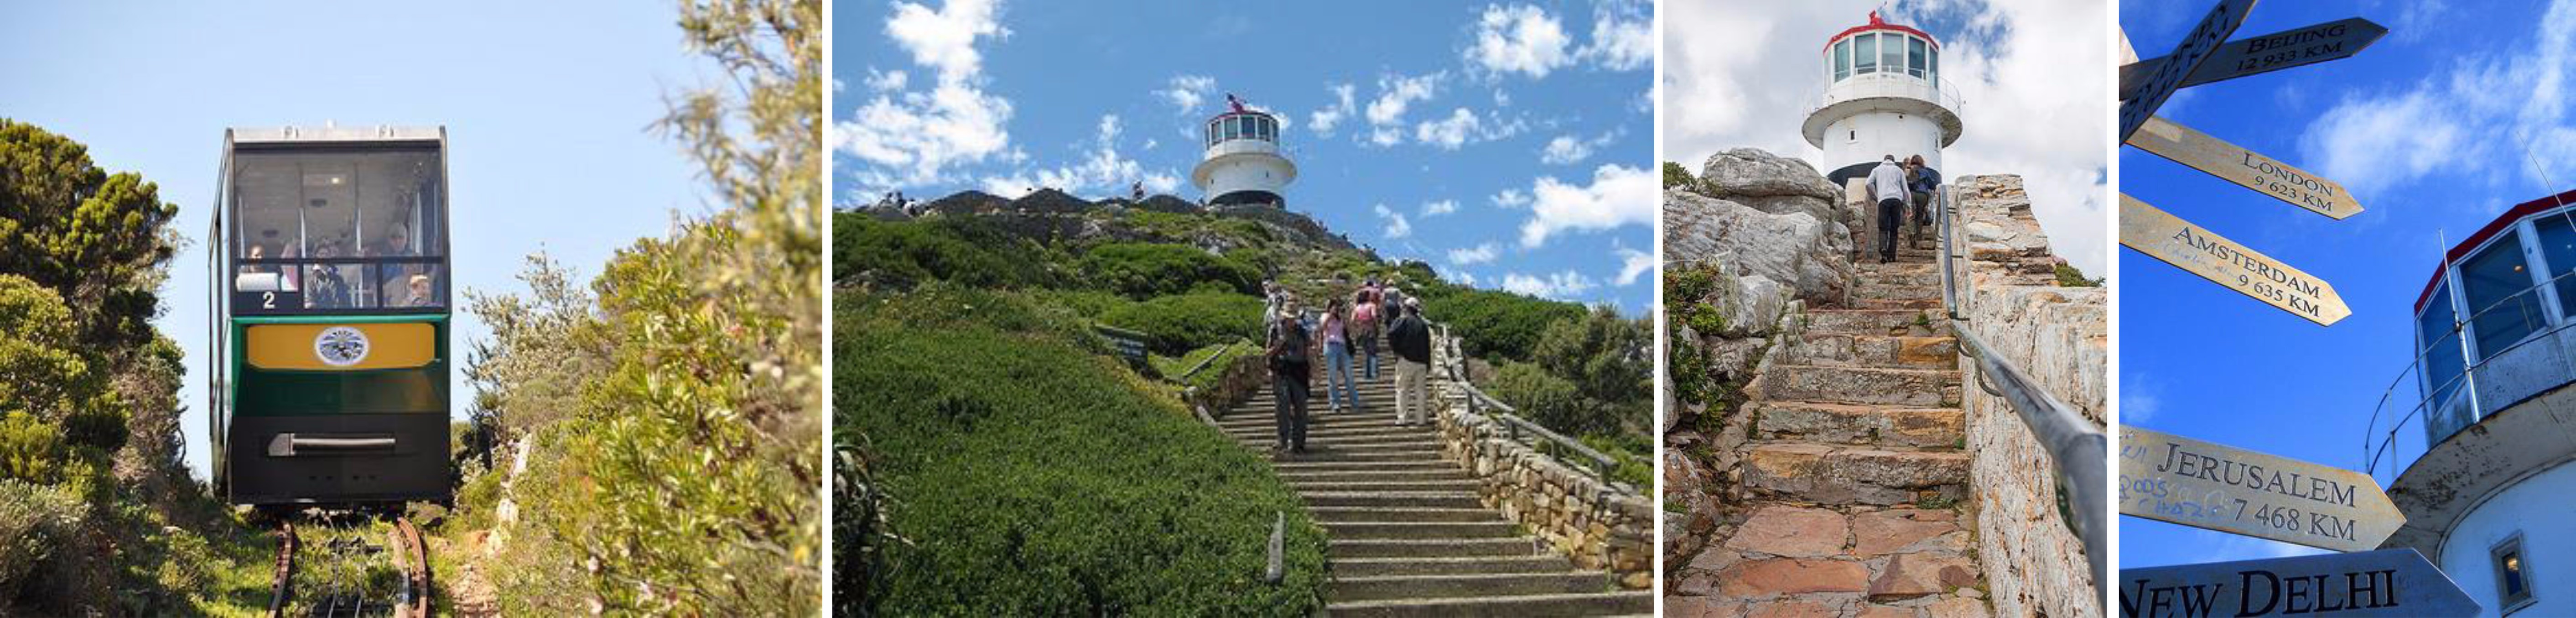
pixel 331 317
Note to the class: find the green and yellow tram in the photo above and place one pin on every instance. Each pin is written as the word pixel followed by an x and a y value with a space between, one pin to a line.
pixel 331 317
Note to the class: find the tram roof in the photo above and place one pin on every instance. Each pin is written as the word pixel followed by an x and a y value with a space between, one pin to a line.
pixel 335 134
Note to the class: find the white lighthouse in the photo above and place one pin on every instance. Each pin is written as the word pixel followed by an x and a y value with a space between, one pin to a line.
pixel 1243 163
pixel 1885 98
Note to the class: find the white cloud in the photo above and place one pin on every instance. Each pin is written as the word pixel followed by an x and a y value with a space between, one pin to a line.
pixel 1478 254
pixel 1396 225
pixel 1622 39
pixel 1633 264
pixel 2138 400
pixel 2027 88
pixel 885 81
pixel 2516 99
pixel 910 138
pixel 1331 115
pixel 1187 92
pixel 1101 171
pixel 1386 136
pixel 1519 39
pixel 1463 127
pixel 1395 93
pixel 1441 207
pixel 1619 195
pixel 1511 198
pixel 1569 150
pixel 1563 285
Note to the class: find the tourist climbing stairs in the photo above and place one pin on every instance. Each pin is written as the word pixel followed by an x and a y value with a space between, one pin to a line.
pixel 1406 533
pixel 1855 466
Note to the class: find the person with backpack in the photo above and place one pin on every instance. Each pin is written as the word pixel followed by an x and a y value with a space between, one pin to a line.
pixel 1338 389
pixel 1289 371
pixel 1923 182
pixel 1364 329
pixel 1410 336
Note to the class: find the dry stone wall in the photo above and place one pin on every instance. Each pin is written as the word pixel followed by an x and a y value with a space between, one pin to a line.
pixel 2059 337
pixel 1596 523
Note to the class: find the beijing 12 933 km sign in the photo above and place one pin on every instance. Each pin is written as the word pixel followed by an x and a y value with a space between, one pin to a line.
pixel 2178 242
pixel 2388 582
pixel 2171 478
pixel 2296 47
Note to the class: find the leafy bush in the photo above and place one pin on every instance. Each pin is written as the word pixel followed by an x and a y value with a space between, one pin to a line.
pixel 904 254
pixel 1687 369
pixel 1607 357
pixel 1542 398
pixel 1215 357
pixel 1030 476
pixel 1497 325
pixel 2069 276
pixel 38 524
pixel 1147 270
pixel 1090 304
pixel 1178 324
pixel 1676 176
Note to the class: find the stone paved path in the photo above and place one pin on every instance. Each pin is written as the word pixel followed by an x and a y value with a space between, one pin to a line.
pixel 1406 533
pixel 1853 471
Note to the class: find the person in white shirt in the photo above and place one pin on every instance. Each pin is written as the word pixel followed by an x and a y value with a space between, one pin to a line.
pixel 1887 187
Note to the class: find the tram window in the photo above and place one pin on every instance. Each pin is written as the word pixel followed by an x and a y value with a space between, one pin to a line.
pixel 334 212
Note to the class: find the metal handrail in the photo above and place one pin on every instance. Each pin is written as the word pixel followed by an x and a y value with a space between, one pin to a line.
pixel 1205 362
pixel 2075 448
pixel 1601 464
pixel 2376 445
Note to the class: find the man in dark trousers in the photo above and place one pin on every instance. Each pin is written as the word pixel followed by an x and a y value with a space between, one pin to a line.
pixel 1289 370
pixel 1410 336
pixel 1887 187
pixel 1923 182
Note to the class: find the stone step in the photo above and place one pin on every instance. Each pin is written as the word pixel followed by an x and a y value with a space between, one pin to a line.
pixel 1858 424
pixel 1430 499
pixel 1924 388
pixel 1442 473
pixel 1421 529
pixel 1317 452
pixel 1848 350
pixel 1891 303
pixel 1477 514
pixel 1568 604
pixel 1264 419
pixel 1829 474
pixel 1343 439
pixel 1377 567
pixel 1891 322
pixel 1294 465
pixel 1337 549
pixel 1873 290
pixel 1460 485
pixel 1355 589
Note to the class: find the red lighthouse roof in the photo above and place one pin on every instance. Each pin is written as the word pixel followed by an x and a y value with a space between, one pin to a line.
pixel 1875 23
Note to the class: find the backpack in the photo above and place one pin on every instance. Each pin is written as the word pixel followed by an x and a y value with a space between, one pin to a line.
pixel 1364 315
pixel 1291 336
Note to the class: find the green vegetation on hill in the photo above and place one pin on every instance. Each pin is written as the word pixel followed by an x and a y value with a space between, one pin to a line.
pixel 1032 475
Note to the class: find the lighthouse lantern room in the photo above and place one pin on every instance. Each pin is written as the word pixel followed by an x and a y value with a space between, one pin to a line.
pixel 1885 97
pixel 1243 164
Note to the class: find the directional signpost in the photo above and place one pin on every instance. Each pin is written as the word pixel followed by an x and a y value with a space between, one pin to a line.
pixel 2390 582
pixel 2334 40
pixel 2178 242
pixel 2176 479
pixel 2187 57
pixel 2245 167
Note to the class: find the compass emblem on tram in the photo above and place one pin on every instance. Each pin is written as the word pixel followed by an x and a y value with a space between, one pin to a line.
pixel 341 346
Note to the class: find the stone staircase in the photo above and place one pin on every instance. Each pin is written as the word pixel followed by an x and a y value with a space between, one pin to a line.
pixel 1854 468
pixel 1406 533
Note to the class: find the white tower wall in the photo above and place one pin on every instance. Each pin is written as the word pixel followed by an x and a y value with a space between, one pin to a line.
pixel 1867 137
pixel 2537 508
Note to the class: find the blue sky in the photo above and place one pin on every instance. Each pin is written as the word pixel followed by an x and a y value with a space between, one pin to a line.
pixel 547 107
pixel 1509 145
pixel 2427 129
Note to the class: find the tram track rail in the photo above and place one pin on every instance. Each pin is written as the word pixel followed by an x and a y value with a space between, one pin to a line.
pixel 407 548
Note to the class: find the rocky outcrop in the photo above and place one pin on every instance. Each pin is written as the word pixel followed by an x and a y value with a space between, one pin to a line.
pixel 2058 336
pixel 1796 251
pixel 1769 183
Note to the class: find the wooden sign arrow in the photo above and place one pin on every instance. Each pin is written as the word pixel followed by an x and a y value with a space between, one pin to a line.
pixel 2187 57
pixel 2296 47
pixel 2388 582
pixel 2166 237
pixel 2172 478
pixel 2264 174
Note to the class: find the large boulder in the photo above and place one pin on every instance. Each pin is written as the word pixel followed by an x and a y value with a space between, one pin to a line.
pixel 1769 183
pixel 1807 258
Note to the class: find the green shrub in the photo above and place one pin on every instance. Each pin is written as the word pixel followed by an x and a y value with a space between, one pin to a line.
pixel 1608 357
pixel 1676 176
pixel 1497 325
pixel 1687 368
pixel 1178 324
pixel 903 254
pixel 1089 304
pixel 1147 270
pixel 1542 398
pixel 1028 476
pixel 1171 367
pixel 38 525
pixel 1689 284
pixel 2069 276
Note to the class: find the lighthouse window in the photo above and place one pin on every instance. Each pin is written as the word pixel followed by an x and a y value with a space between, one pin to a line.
pixel 1891 53
pixel 1914 64
pixel 1932 69
pixel 2498 288
pixel 2442 366
pixel 2558 258
pixel 2513 575
pixel 1866 60
pixel 1842 59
